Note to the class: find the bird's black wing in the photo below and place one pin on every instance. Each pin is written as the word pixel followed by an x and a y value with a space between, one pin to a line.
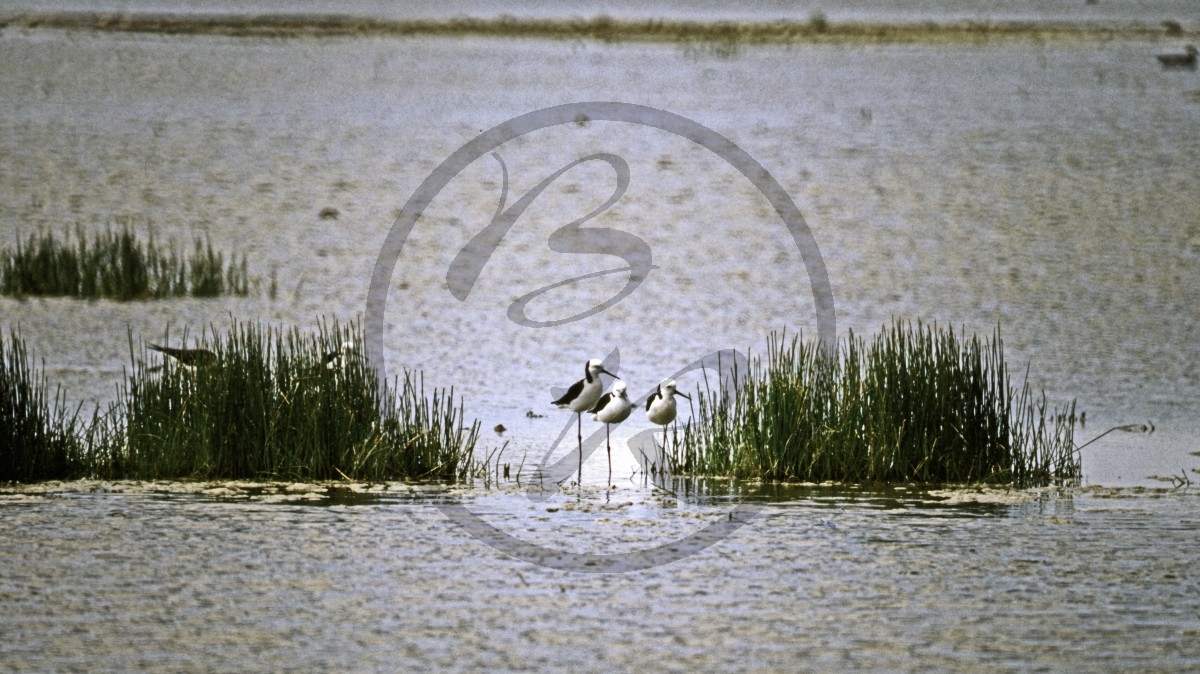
pixel 651 399
pixel 604 400
pixel 571 394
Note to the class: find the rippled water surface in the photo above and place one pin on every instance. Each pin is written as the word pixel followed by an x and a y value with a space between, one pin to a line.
pixel 1045 187
pixel 119 579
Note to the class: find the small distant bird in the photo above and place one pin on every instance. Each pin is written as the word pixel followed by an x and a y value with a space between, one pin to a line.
pixel 337 359
pixel 189 357
pixel 582 395
pixel 1185 60
pixel 499 429
pixel 829 522
pixel 613 408
pixel 660 407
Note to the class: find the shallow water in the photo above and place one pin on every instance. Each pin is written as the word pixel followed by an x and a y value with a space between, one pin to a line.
pixel 1045 187
pixel 1096 581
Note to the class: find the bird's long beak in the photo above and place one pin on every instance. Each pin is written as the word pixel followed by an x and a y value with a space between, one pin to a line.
pixel 603 371
pixel 680 393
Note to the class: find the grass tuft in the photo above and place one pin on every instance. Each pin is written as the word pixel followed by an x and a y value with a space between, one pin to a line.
pixel 277 404
pixel 39 440
pixel 114 264
pixel 916 404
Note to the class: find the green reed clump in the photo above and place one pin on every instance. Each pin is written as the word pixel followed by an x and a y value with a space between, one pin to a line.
pixel 39 440
pixel 116 265
pixel 284 405
pixel 915 404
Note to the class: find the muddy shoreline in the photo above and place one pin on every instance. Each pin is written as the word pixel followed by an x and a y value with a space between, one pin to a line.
pixel 817 30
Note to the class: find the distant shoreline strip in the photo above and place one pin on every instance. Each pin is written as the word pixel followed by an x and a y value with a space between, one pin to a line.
pixel 602 29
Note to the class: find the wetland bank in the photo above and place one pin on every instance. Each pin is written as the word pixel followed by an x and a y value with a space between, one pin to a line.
pixel 1044 186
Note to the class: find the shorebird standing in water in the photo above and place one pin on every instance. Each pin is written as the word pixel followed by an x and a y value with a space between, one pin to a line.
pixel 660 407
pixel 582 395
pixel 613 408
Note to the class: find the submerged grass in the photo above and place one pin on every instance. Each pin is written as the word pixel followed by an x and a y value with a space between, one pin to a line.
pixel 39 440
pixel 281 405
pixel 916 404
pixel 115 264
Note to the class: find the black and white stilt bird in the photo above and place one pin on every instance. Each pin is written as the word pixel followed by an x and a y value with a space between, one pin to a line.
pixel 188 357
pixel 660 407
pixel 613 408
pixel 582 395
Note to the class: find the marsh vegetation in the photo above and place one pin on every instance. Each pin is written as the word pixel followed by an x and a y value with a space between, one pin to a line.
pixel 269 404
pixel 117 264
pixel 914 404
pixel 39 437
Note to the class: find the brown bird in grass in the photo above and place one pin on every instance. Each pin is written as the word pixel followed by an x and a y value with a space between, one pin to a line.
pixel 188 357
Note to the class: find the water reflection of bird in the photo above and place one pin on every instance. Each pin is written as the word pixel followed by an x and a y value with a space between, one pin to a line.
pixel 1185 60
pixel 582 395
pixel 660 407
pixel 613 408
pixel 188 357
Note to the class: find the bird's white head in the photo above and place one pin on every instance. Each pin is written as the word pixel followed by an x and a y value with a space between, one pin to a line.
pixel 619 388
pixel 668 389
pixel 595 367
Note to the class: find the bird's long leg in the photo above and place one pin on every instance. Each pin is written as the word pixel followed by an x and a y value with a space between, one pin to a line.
pixel 608 448
pixel 579 416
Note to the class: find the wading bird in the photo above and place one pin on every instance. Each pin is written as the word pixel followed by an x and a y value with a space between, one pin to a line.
pixel 613 408
pixel 582 395
pixel 660 407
